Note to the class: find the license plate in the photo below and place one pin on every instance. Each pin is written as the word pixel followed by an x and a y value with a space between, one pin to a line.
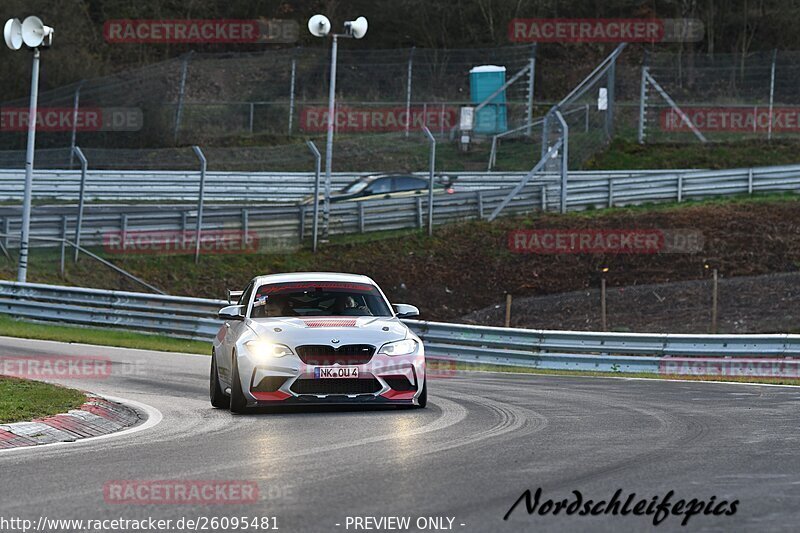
pixel 335 372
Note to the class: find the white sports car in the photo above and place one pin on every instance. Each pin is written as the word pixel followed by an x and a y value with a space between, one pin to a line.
pixel 316 337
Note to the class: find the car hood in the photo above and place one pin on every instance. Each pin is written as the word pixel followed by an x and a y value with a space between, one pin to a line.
pixel 323 330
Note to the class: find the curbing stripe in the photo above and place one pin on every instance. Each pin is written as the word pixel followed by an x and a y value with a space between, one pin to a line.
pixel 97 417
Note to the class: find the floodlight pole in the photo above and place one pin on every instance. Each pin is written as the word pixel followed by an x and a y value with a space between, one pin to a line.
pixel 329 142
pixel 22 272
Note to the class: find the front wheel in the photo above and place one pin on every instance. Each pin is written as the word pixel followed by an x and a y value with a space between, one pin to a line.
pixel 238 403
pixel 218 399
pixel 423 397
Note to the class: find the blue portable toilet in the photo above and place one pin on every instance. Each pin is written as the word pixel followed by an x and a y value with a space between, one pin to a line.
pixel 483 81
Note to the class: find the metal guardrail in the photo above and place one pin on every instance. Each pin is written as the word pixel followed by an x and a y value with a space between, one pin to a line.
pixel 142 185
pixel 195 318
pixel 282 225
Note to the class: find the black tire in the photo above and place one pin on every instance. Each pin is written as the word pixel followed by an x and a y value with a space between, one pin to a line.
pixel 238 404
pixel 423 397
pixel 218 399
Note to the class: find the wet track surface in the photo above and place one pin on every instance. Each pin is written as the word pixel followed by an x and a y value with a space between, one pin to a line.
pixel 484 439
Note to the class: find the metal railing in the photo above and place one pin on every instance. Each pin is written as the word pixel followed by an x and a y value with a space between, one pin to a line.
pixel 195 318
pixel 281 225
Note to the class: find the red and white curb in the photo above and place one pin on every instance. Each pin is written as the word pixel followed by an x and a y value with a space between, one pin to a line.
pixel 97 417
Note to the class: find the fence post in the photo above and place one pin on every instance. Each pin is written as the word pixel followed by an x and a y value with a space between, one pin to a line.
pixel 408 88
pixel 419 211
pixel 771 93
pixel 431 168
pixel 81 199
pixel 531 81
pixel 181 92
pixel 291 93
pixel 317 168
pixel 611 78
pixel 75 106
pixel 252 112
pixel 200 197
pixel 642 102
pixel 63 241
pixel 564 159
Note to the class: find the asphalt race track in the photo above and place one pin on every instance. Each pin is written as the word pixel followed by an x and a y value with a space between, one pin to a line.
pixel 484 439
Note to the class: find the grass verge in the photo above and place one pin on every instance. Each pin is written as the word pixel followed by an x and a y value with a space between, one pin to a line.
pixel 477 367
pixel 21 399
pixel 12 327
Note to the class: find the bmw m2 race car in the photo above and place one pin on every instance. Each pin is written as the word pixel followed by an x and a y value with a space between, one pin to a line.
pixel 316 338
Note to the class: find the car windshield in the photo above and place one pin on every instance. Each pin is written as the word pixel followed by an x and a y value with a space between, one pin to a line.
pixel 318 298
pixel 356 187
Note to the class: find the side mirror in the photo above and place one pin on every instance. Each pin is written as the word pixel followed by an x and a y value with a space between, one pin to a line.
pixel 405 310
pixel 231 312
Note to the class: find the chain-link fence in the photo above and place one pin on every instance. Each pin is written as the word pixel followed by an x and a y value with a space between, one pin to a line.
pixel 691 97
pixel 197 98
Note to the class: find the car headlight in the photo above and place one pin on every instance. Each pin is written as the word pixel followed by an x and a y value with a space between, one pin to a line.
pixel 265 350
pixel 404 347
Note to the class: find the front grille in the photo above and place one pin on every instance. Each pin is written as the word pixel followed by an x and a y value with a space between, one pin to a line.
pixel 399 383
pixel 270 384
pixel 349 354
pixel 336 386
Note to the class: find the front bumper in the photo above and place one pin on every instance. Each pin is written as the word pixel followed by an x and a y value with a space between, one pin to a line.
pixel 288 380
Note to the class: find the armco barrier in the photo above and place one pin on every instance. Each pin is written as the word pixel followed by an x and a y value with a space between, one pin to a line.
pixel 283 224
pixel 195 318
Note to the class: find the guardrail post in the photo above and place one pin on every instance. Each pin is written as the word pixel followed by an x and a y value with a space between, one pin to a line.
pixel 63 241
pixel 431 167
pixel 81 199
pixel 479 194
pixel 317 170
pixel 302 215
pixel 201 195
pixel 361 217
pixel 610 192
pixel 419 211
pixel 245 223
pixel 750 181
pixel 123 221
pixel 184 228
pixel 544 198
pixel 6 231
pixel 680 188
pixel 252 112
